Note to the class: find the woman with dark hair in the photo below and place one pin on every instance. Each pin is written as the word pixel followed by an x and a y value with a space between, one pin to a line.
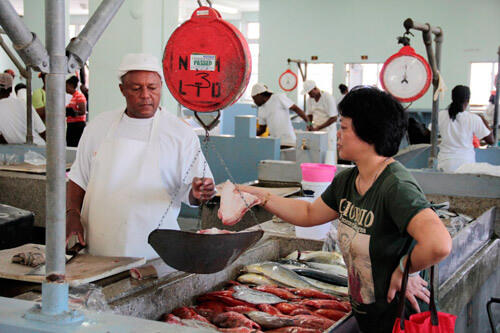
pixel 382 211
pixel 457 128
pixel 75 113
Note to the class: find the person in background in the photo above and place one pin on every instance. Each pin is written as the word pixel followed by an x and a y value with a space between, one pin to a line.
pixel 13 117
pixel 343 91
pixel 75 113
pixel 457 127
pixel 274 111
pixel 383 213
pixel 489 112
pixel 13 74
pixel 131 165
pixel 321 110
pixel 39 98
pixel 20 90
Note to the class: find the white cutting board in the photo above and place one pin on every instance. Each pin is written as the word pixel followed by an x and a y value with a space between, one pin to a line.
pixel 83 268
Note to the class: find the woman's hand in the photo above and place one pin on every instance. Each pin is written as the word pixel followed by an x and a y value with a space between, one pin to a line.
pixel 416 288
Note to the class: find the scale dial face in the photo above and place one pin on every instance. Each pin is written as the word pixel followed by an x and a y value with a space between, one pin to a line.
pixel 406 77
pixel 288 80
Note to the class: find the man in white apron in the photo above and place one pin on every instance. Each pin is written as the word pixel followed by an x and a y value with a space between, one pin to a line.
pixel 131 164
pixel 321 110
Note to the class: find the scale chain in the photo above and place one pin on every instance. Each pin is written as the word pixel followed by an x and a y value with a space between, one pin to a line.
pixel 232 180
pixel 178 188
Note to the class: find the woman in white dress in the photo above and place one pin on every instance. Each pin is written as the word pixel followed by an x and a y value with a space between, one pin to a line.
pixel 457 127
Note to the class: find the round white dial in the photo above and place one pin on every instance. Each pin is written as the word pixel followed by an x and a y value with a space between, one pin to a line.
pixel 405 77
pixel 288 81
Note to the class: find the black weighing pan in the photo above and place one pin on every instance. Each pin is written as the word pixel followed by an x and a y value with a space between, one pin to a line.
pixel 201 253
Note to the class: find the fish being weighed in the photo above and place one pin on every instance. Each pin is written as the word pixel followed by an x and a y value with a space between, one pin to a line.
pixel 254 296
pixel 234 205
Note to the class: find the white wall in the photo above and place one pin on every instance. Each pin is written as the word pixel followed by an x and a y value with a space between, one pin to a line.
pixel 342 31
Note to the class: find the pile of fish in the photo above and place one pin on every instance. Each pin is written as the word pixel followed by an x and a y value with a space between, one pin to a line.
pixel 454 222
pixel 304 292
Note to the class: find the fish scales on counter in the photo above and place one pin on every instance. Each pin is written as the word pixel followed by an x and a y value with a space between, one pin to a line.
pixel 234 204
pixel 268 321
pixel 252 296
pixel 317 256
pixel 233 319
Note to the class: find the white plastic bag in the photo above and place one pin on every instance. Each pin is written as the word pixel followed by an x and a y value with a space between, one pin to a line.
pixel 34 158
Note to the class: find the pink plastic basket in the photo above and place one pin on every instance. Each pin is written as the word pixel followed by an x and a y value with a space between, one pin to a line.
pixel 317 172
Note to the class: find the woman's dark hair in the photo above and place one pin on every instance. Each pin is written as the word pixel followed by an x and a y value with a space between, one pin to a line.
pixel 19 86
pixel 73 81
pixel 459 95
pixel 492 99
pixel 377 118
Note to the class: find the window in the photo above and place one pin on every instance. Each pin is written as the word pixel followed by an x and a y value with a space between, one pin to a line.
pixel 482 82
pixel 75 29
pixel 251 33
pixel 363 74
pixel 321 74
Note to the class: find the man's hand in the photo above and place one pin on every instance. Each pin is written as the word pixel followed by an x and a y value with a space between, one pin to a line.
pixel 416 288
pixel 203 189
pixel 74 226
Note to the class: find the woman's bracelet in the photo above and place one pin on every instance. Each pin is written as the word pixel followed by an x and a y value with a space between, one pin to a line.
pixel 402 268
pixel 266 199
pixel 78 211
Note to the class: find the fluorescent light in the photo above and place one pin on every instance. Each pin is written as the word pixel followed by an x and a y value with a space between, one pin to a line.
pixel 225 9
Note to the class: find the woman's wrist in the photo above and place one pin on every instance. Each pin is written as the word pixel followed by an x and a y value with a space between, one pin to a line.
pixel 402 267
pixel 266 199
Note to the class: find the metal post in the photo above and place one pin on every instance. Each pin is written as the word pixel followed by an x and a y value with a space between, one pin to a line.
pixel 497 98
pixel 27 45
pixel 81 48
pixel 435 63
pixel 303 74
pixel 29 107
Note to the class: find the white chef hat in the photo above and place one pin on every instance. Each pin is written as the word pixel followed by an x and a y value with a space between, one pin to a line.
pixel 139 62
pixel 308 86
pixel 259 88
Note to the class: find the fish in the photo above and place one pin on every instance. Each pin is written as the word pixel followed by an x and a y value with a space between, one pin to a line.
pixel 234 205
pixel 188 313
pixel 317 256
pixel 216 307
pixel 301 311
pixel 280 292
pixel 307 321
pixel 240 308
pixel 325 304
pixel 331 314
pixel 329 288
pixel 268 308
pixel 233 319
pixel 287 308
pixel 312 293
pixel 278 272
pixel 254 296
pixel 199 324
pixel 330 268
pixel 224 296
pixel 294 329
pixel 257 279
pixel 320 275
pixel 171 319
pixel 239 330
pixel 267 321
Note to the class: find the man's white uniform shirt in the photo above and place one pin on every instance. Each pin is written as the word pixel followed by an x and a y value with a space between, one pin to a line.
pixel 275 113
pixel 13 122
